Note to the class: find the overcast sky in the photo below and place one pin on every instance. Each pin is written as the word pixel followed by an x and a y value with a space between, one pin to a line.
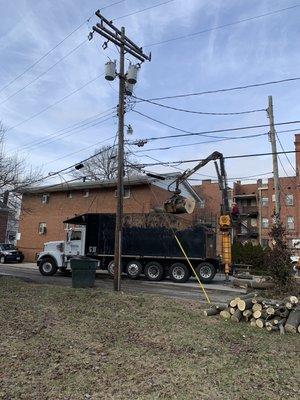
pixel 259 50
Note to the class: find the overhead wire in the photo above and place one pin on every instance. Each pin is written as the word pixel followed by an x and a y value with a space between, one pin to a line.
pixel 241 87
pixel 54 47
pixel 45 72
pixel 142 10
pixel 218 27
pixel 204 133
pixel 199 112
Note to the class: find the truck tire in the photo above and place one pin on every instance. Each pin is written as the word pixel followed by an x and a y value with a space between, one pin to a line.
pixel 110 268
pixel 134 269
pixel 47 266
pixel 206 271
pixel 179 272
pixel 154 271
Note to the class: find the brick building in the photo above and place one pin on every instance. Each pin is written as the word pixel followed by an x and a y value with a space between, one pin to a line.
pixel 256 205
pixel 44 208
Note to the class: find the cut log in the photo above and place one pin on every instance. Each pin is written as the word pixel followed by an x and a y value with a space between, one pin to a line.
pixel 244 304
pixel 262 285
pixel 283 312
pixel 292 299
pixel 270 311
pixel 225 314
pixel 299 328
pixel 253 322
pixel 271 328
pixel 232 310
pixel 293 321
pixel 247 313
pixel 233 303
pixel 260 322
pixel 214 310
pixel 256 314
pixel 279 321
pixel 281 329
pixel 257 307
pixel 237 316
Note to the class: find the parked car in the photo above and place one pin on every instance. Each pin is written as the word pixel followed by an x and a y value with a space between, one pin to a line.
pixel 9 253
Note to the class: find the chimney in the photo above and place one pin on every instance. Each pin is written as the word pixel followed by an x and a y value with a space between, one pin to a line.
pixel 297 148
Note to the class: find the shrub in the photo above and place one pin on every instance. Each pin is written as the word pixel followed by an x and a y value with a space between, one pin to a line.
pixel 249 253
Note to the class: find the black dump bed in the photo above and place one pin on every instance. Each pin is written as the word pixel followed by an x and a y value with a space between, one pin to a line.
pixel 145 235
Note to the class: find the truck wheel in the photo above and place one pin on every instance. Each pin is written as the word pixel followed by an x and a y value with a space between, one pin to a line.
pixel 179 272
pixel 47 267
pixel 2 260
pixel 134 269
pixel 206 272
pixel 111 268
pixel 154 271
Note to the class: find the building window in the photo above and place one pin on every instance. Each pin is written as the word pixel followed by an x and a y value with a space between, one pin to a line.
pixel 273 198
pixel 126 193
pixel 45 198
pixel 265 223
pixel 42 228
pixel 264 243
pixel 69 195
pixel 290 223
pixel 86 193
pixel 289 199
pixel 264 201
pixel 253 222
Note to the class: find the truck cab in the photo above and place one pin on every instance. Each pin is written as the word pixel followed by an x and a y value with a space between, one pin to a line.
pixel 57 254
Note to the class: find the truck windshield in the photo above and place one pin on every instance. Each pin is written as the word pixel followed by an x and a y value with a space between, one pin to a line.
pixel 75 235
pixel 6 246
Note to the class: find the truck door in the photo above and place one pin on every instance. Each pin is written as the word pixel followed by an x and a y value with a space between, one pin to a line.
pixel 76 242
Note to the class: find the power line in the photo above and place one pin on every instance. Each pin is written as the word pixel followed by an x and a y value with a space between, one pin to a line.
pixel 54 104
pixel 226 158
pixel 142 10
pixel 53 48
pixel 282 148
pixel 253 85
pixel 204 133
pixel 211 141
pixel 47 70
pixel 200 112
pixel 64 131
pixel 222 26
pixel 73 131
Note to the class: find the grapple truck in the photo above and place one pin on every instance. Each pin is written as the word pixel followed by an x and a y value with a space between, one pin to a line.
pixel 148 246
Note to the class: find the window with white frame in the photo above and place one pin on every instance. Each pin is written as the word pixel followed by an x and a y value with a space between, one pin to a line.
pixel 264 201
pixel 289 199
pixel 42 228
pixel 45 198
pixel 265 222
pixel 126 193
pixel 273 198
pixel 253 222
pixel 86 193
pixel 290 223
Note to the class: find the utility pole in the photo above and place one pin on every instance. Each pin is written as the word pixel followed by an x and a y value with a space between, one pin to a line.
pixel 112 34
pixel 272 139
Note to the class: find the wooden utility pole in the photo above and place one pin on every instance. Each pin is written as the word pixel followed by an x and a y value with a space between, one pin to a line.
pixel 112 34
pixel 272 139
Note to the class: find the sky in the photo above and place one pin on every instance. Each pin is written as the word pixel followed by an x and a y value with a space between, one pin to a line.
pixel 259 50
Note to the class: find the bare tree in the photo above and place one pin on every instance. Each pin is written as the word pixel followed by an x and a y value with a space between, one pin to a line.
pixel 104 165
pixel 14 170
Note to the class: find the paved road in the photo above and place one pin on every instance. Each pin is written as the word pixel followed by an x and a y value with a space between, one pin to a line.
pixel 217 290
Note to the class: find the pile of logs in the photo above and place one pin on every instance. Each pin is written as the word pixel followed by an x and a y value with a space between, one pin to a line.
pixel 274 315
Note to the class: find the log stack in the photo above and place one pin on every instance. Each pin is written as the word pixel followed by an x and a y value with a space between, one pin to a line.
pixel 273 315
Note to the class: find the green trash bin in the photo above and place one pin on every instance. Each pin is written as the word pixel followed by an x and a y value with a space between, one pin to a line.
pixel 83 272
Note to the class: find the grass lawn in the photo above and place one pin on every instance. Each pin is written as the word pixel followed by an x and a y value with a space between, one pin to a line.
pixel 62 343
